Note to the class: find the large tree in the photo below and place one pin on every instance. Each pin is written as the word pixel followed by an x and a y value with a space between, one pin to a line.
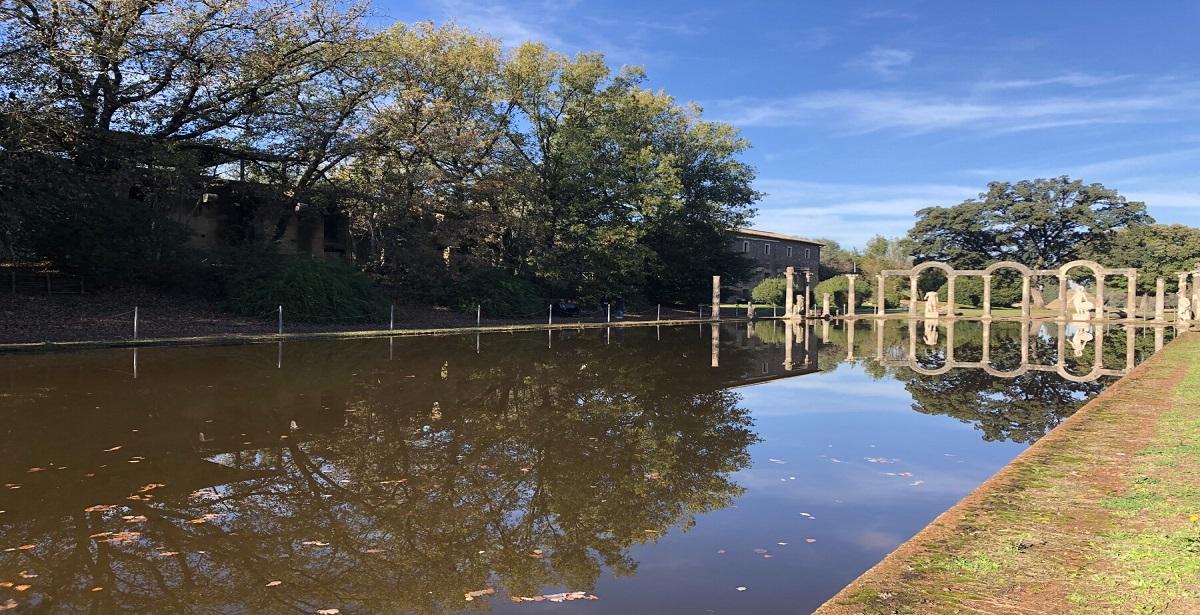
pixel 1155 250
pixel 1041 223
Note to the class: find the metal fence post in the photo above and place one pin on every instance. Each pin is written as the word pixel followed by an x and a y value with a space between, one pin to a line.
pixel 135 321
pixel 392 318
pixel 659 316
pixel 550 314
pixel 280 320
pixel 478 314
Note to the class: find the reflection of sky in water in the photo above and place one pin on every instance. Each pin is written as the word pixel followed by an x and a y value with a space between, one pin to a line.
pixel 822 427
pixel 853 457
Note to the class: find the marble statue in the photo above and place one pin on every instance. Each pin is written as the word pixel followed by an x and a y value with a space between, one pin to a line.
pixel 1080 340
pixel 1083 307
pixel 931 304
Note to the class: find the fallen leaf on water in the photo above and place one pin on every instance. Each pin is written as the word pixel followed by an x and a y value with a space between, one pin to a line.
pixel 100 535
pixel 26 547
pixel 32 470
pixel 741 588
pixel 100 508
pixel 150 487
pixel 328 611
pixel 25 574
pixel 315 543
pixel 113 449
pixel 205 518
pixel 134 518
pixel 469 596
pixel 374 550
pixel 563 597
pixel 8 605
pixel 810 540
pixel 782 544
pixel 274 583
pixel 22 588
pixel 122 537
pixel 916 483
pixel 97 589
pixel 720 551
pixel 6 584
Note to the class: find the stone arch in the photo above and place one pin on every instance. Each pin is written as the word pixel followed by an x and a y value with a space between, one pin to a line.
pixel 1008 265
pixel 1098 272
pixel 1097 268
pixel 917 269
pixel 925 371
pixel 1020 371
pixel 1089 377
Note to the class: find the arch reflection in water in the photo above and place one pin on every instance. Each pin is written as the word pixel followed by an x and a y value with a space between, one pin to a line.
pixel 400 475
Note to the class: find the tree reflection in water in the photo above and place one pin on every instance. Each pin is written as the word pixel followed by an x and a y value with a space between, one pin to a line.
pixel 403 475
pixel 403 486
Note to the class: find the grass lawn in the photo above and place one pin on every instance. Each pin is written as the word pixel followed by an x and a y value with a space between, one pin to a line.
pixel 1100 516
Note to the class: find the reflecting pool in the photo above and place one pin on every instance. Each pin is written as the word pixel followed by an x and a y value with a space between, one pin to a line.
pixel 745 468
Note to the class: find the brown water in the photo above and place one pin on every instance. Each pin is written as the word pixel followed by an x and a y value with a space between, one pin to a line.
pixel 631 470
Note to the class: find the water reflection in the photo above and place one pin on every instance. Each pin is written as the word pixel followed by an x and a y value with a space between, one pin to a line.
pixel 406 475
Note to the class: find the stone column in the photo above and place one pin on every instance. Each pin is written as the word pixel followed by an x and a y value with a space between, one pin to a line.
pixel 912 340
pixel 987 342
pixel 789 340
pixel 1061 343
pixel 912 295
pixel 1159 336
pixel 1181 293
pixel 987 296
pixel 1160 299
pixel 1131 295
pixel 878 326
pixel 809 300
pixel 1062 296
pixel 880 306
pixel 1100 296
pixel 789 299
pixel 950 341
pixel 1129 348
pixel 851 309
pixel 716 344
pixel 716 298
pixel 1098 362
pixel 825 305
pixel 1025 343
pixel 849 340
pixel 951 305
pixel 1024 296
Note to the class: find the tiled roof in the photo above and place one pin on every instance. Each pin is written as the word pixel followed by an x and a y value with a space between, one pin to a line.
pixel 769 235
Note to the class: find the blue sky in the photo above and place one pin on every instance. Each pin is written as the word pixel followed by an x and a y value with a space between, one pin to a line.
pixel 860 113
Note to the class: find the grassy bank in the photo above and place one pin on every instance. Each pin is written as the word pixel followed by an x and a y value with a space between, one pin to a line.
pixel 1100 516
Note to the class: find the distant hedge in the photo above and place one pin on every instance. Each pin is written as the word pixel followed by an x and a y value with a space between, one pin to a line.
pixel 497 293
pixel 310 290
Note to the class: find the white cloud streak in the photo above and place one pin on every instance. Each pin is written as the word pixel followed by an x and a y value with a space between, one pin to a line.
pixel 917 112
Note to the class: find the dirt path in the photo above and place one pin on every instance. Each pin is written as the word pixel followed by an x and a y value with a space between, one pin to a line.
pixel 1099 516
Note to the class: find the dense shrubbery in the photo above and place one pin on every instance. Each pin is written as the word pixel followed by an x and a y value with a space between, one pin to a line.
pixel 770 290
pixel 85 229
pixel 310 290
pixel 497 293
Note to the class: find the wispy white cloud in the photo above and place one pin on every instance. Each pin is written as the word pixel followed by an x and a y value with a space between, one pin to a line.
pixel 1074 79
pixel 849 213
pixel 885 62
pixel 919 112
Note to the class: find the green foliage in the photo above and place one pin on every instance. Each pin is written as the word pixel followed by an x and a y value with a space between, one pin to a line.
pixel 770 290
pixel 1157 250
pixel 498 294
pixel 310 290
pixel 81 227
pixel 839 289
pixel 1040 223
pixel 968 290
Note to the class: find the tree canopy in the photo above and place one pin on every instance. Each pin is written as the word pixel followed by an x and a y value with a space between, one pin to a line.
pixel 448 152
pixel 1041 223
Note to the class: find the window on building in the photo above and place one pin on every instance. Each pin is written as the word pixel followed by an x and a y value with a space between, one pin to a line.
pixel 807 252
pixel 745 246
pixel 789 251
pixel 766 248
